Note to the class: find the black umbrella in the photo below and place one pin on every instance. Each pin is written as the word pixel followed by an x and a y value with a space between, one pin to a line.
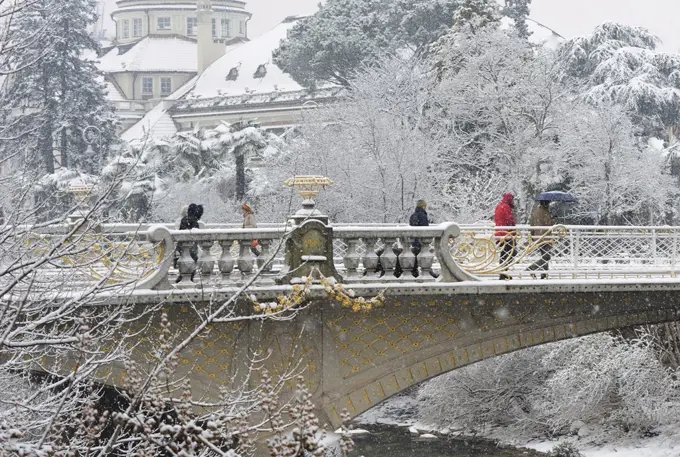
pixel 556 196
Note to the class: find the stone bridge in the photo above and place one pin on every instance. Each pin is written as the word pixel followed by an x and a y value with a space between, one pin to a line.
pixel 449 311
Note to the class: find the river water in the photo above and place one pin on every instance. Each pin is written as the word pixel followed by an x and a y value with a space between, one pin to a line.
pixel 393 441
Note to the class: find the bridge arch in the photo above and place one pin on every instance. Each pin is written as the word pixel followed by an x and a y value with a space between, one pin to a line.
pixel 413 339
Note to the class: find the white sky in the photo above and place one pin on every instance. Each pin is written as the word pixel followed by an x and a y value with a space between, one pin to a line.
pixel 567 17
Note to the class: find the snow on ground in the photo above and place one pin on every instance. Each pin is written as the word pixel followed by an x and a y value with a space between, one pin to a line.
pixel 402 410
pixel 660 446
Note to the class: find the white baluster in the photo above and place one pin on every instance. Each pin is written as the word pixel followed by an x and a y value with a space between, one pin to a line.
pixel 206 263
pixel 407 260
pixel 388 259
pixel 246 259
pixel 370 259
pixel 351 260
pixel 426 258
pixel 226 262
pixel 185 264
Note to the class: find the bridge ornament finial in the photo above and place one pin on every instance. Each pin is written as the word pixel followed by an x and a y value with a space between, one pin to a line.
pixel 308 187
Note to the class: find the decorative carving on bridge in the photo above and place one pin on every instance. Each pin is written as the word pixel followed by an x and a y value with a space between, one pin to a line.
pixel 479 253
pixel 366 341
pixel 309 253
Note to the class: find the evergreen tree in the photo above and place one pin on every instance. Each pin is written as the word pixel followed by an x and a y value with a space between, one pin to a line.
pixel 56 91
pixel 619 63
pixel 518 11
pixel 476 14
pixel 344 35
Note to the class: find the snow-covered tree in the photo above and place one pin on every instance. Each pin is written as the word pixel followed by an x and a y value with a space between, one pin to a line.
pixel 164 174
pixel 515 125
pixel 595 381
pixel 474 15
pixel 375 144
pixel 55 91
pixel 518 11
pixel 619 63
pixel 334 43
pixel 62 337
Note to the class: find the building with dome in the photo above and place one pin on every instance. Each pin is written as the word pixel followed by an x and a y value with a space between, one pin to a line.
pixel 160 45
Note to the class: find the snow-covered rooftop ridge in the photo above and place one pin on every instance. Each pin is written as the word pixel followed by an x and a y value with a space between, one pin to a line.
pixel 153 53
pixel 177 7
pixel 248 69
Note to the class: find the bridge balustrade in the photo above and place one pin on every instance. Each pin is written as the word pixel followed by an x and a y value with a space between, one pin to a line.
pixel 158 254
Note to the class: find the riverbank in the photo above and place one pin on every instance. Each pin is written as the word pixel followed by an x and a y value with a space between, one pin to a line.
pixel 402 412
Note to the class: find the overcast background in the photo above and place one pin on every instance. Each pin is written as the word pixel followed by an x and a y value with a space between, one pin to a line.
pixel 567 17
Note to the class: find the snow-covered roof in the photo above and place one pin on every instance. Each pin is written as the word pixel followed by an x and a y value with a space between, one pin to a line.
pixel 157 123
pixel 543 35
pixel 176 7
pixel 246 59
pixel 153 54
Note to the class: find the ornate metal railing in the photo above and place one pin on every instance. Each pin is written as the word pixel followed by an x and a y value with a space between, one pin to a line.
pixel 572 252
pixel 162 257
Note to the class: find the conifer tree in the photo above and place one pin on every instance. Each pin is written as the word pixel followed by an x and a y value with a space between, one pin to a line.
pixel 56 91
pixel 518 11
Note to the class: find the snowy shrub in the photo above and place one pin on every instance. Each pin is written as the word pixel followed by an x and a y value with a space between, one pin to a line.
pixel 497 391
pixel 565 450
pixel 598 379
pixel 208 166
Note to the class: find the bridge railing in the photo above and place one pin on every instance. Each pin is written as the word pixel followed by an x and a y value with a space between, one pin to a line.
pixel 160 256
pixel 368 254
pixel 571 252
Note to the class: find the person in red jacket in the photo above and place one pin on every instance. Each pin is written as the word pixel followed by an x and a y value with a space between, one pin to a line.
pixel 504 217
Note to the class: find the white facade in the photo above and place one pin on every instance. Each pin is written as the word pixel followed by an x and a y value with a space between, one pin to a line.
pixel 160 45
pixel 136 19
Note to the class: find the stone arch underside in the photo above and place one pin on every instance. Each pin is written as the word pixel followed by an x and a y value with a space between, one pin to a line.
pixel 414 339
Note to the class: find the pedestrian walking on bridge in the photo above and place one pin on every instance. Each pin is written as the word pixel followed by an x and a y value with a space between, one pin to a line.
pixel 504 217
pixel 541 217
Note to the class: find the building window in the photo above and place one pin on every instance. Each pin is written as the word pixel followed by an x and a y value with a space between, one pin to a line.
pixel 137 27
pixel 192 26
pixel 126 29
pixel 226 32
pixel 166 86
pixel 242 27
pixel 214 28
pixel 163 23
pixel 147 87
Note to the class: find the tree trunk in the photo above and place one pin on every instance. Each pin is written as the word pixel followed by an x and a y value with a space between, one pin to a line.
pixel 240 176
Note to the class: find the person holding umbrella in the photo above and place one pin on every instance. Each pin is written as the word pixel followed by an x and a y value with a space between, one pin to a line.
pixel 541 217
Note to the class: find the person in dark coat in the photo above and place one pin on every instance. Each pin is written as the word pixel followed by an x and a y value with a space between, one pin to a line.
pixel 541 217
pixel 188 222
pixel 418 219
pixel 504 216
